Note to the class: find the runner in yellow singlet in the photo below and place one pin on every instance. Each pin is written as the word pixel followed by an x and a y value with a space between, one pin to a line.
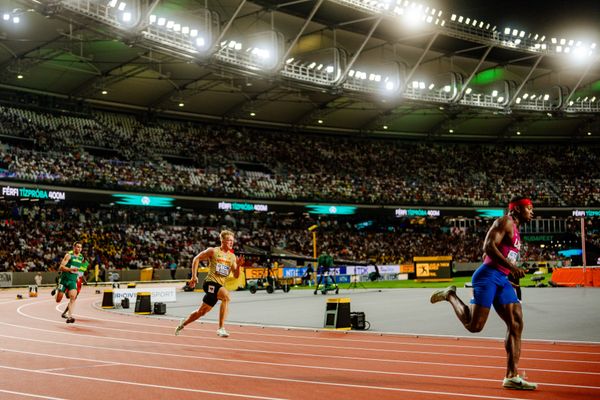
pixel 221 262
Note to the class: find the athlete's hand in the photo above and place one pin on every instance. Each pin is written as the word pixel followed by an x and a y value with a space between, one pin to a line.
pixel 518 272
pixel 193 282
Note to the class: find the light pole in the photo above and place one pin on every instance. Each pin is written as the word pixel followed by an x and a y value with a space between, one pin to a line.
pixel 313 229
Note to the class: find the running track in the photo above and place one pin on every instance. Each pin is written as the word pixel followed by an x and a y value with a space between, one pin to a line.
pixel 116 356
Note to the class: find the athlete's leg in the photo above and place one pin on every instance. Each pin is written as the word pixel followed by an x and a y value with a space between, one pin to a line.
pixel 200 312
pixel 72 297
pixel 223 295
pixel 473 317
pixel 512 314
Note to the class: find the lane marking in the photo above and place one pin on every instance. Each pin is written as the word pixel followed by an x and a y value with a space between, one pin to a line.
pixel 291 344
pixel 147 385
pixel 303 381
pixel 37 396
pixel 296 365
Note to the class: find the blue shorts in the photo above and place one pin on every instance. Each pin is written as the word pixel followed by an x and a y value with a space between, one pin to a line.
pixel 490 286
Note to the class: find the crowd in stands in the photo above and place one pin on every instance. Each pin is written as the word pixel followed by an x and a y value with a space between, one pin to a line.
pixel 35 237
pixel 109 150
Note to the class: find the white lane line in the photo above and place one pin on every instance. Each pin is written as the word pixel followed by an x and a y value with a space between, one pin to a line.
pixel 235 361
pixel 338 339
pixel 146 385
pixel 37 396
pixel 292 344
pixel 86 367
pixel 302 381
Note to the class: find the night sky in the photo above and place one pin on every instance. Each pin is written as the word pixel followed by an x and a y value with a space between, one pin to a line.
pixel 571 19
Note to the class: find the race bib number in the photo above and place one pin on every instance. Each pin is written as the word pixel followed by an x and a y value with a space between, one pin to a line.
pixel 222 269
pixel 512 256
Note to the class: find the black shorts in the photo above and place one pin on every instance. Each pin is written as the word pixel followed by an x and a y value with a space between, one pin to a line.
pixel 211 289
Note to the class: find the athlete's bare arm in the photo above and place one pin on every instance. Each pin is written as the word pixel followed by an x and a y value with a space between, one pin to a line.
pixel 501 229
pixel 203 255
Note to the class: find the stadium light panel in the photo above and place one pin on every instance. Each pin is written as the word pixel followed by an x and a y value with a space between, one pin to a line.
pixel 320 121
pixel 19 76
pixel 518 101
pixel 385 127
pixel 112 3
pixel 16 19
pixel 451 130
pixel 447 88
pixel 563 41
pixel 104 92
pixel 152 19
pixel 181 104
pixel 453 17
pixel 126 17
pixel 6 16
pixel 553 40
pixel 329 69
pixel 500 99
pixel 161 21
pixel 494 93
pixel 507 31
pixel 389 86
pixel 122 6
pixel 468 91
pixel 431 86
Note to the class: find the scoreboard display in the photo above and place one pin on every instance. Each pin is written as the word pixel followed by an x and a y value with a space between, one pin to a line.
pixel 433 268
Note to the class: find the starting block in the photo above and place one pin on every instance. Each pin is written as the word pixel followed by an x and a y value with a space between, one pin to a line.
pixel 33 291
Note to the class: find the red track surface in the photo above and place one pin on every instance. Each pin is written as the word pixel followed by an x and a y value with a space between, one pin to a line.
pixel 115 356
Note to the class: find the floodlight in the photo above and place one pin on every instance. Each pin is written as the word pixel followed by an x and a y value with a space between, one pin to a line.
pixel 105 92
pixel 194 32
pixel 329 69
pixel 126 17
pixel 518 101
pixel 522 34
pixel 152 19
pixel 16 19
pixel 451 130
pixel 467 21
pixel 447 88
pixel 571 42
pixel 112 3
pixel 515 32
pixel 494 93
pixel 185 30
pixel 170 24
pixel 507 31
pixel 553 40
pixel 593 99
pixel 320 121
pixel 181 104
pixel 385 127
pixel 19 76
pixel 468 91
pixel 200 42
pixel 500 99
pixel 518 132
pixel 389 86
pixel 122 6
pixel 161 21
pixel 453 17
pixel 415 84
pixel 177 27
pixel 563 41
pixel 5 16
pixel 559 49
pixel 431 86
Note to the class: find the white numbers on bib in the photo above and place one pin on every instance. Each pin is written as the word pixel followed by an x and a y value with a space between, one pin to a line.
pixel 222 269
pixel 512 256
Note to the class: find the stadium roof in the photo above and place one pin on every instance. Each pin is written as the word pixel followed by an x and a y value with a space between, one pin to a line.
pixel 486 79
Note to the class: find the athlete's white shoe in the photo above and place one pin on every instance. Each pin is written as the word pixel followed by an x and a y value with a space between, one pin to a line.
pixel 442 294
pixel 222 332
pixel 179 327
pixel 518 383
